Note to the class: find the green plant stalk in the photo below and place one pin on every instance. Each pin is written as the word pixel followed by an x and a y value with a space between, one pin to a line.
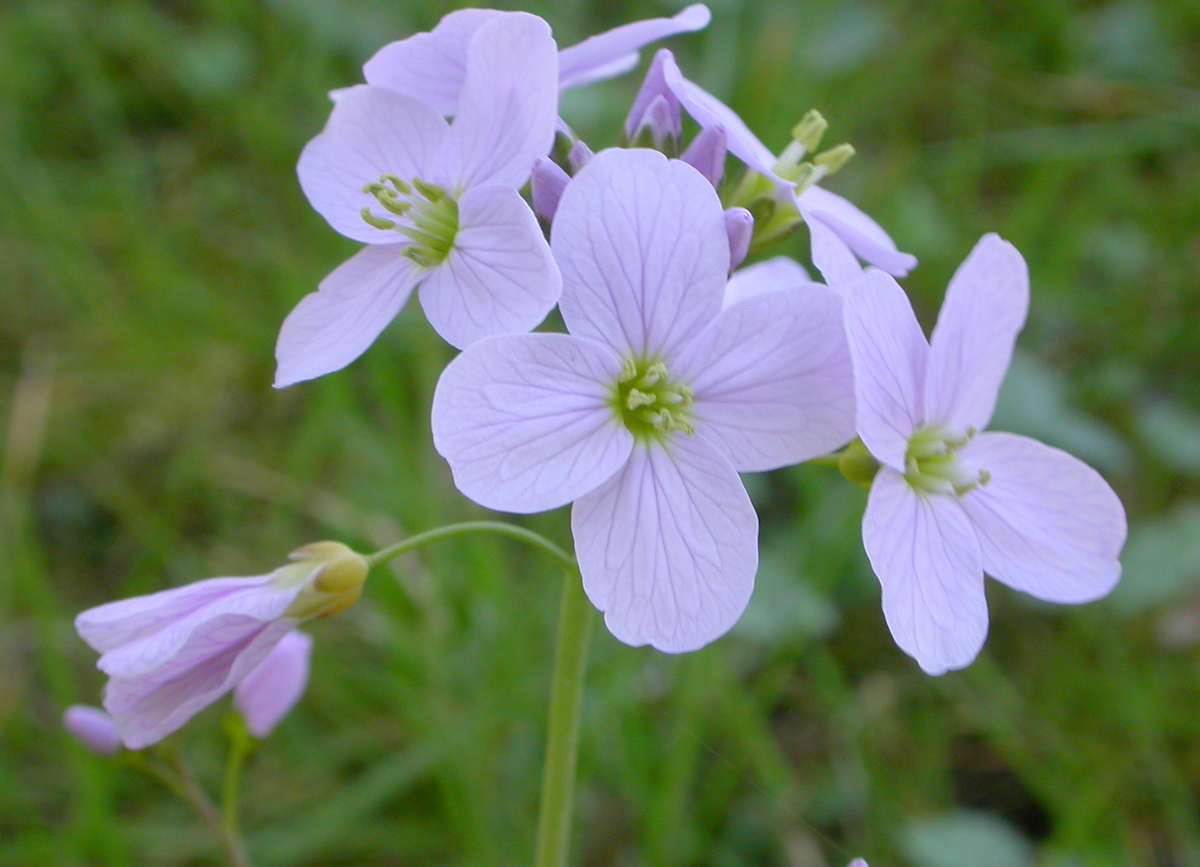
pixel 562 739
pixel 451 530
pixel 239 748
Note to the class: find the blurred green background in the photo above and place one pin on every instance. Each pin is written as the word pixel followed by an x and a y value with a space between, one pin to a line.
pixel 152 238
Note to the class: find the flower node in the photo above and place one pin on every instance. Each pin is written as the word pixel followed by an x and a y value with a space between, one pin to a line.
pixel 429 216
pixel 931 463
pixel 649 403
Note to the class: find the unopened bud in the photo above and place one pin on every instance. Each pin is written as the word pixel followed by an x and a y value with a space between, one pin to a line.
pixel 657 128
pixel 739 225
pixel 578 156
pixel 266 695
pixel 547 184
pixel 93 728
pixel 706 154
pixel 655 108
pixel 334 576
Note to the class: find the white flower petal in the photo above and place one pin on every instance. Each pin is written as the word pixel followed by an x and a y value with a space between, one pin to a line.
pixel 772 378
pixel 770 275
pixel 499 278
pixel 668 547
pixel 972 345
pixel 889 354
pixel 643 250
pixel 509 104
pixel 430 67
pixel 927 559
pixel 1048 524
pixel 525 420
pixel 331 327
pixel 371 132
pixel 832 256
pixel 268 693
pixel 145 711
pixel 114 624
pixel 709 112
pixel 597 57
pixel 862 234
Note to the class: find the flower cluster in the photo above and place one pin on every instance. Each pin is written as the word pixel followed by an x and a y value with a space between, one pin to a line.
pixel 675 374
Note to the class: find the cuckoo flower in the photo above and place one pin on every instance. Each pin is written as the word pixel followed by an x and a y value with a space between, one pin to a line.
pixel 950 502
pixel 436 202
pixel 266 695
pixel 432 67
pixel 645 413
pixel 838 229
pixel 171 654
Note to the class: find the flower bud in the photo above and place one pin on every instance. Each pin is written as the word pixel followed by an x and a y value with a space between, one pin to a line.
pixel 547 184
pixel 578 156
pixel 334 586
pixel 739 224
pixel 93 728
pixel 268 693
pixel 655 109
pixel 706 154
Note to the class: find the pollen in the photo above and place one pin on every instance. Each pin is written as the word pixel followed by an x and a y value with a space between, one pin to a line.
pixel 424 213
pixel 649 403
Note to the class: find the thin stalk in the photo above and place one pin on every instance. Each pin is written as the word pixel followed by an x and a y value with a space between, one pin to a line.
pixel 451 530
pixel 562 739
pixel 239 748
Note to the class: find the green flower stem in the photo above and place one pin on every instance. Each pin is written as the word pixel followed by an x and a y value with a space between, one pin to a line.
pixel 240 744
pixel 451 530
pixel 566 692
pixel 562 740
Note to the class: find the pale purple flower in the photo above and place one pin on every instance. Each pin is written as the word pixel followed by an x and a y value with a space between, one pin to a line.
pixel 838 229
pixel 436 202
pixel 432 67
pixel 645 413
pixel 266 695
pixel 93 728
pixel 770 275
pixel 950 502
pixel 739 226
pixel 171 654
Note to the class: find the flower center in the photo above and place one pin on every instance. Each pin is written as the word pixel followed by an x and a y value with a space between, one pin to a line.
pixel 648 402
pixel 429 216
pixel 931 463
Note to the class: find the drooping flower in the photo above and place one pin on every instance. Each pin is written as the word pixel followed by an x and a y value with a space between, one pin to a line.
pixel 950 502
pixel 268 693
pixel 839 231
pixel 171 654
pixel 645 413
pixel 436 202
pixel 93 728
pixel 432 67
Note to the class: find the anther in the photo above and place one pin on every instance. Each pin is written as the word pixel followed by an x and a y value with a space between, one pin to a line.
pixel 378 222
pixel 639 398
pixel 430 191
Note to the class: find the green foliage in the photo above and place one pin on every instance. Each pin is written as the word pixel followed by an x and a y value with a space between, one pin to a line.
pixel 153 236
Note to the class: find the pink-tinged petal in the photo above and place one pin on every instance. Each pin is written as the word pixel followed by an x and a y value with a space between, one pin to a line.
pixel 706 154
pixel 500 277
pixel 93 728
pixel 1048 524
pixel 862 234
pixel 198 633
pixel 772 379
pixel 708 111
pixel 739 226
pixel 525 420
pixel 770 275
pixel 857 862
pixel 509 104
pixel 668 547
pixel 972 344
pixel 333 326
pixel 268 693
pixel 832 256
pixel 926 556
pixel 546 186
pixel 597 57
pixel 654 91
pixel 109 626
pixel 147 710
pixel 371 132
pixel 889 354
pixel 641 242
pixel 430 67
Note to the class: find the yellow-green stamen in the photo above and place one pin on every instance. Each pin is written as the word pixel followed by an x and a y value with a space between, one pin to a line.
pixel 431 216
pixel 649 403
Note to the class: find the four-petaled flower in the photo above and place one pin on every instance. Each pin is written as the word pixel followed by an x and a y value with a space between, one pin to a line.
pixel 171 654
pixel 950 502
pixel 645 413
pixel 436 202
